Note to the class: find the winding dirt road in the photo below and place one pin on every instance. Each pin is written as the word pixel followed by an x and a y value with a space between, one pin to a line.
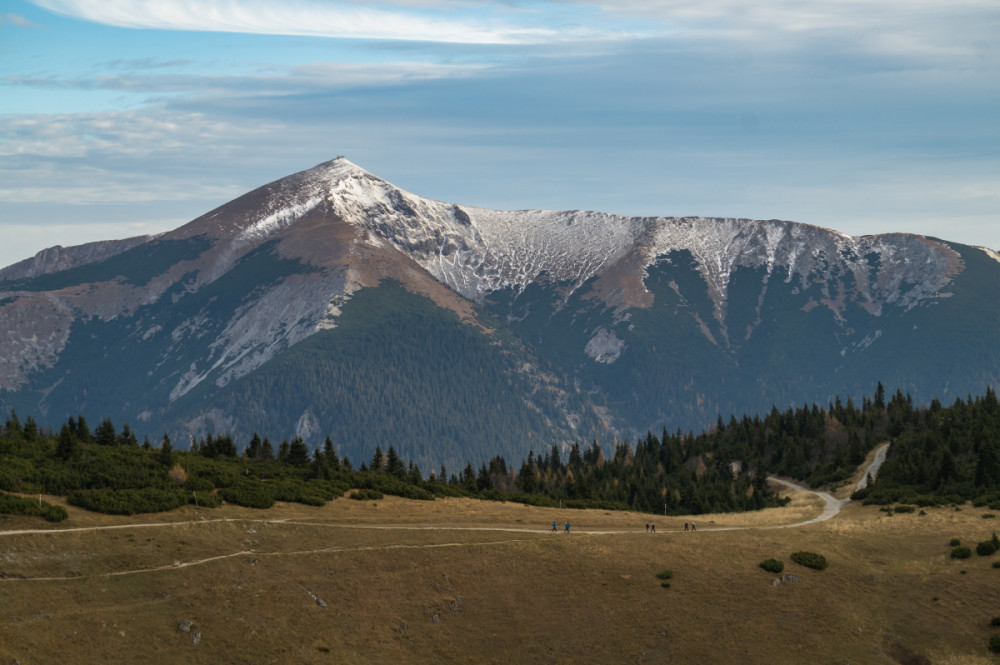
pixel 832 506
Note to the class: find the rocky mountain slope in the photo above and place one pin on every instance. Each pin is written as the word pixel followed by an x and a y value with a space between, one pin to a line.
pixel 333 303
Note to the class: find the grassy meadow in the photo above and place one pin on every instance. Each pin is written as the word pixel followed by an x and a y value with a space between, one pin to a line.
pixel 467 581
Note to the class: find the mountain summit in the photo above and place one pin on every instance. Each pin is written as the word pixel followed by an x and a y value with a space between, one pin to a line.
pixel 331 302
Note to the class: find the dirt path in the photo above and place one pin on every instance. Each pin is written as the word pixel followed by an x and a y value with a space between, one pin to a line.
pixel 832 506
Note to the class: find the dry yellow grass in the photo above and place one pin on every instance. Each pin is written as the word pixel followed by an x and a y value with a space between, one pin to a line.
pixel 491 584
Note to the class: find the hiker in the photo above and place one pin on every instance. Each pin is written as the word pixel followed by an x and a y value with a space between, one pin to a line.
pixel 685 526
pixel 554 528
pixel 692 526
pixel 652 528
pixel 647 528
pixel 567 527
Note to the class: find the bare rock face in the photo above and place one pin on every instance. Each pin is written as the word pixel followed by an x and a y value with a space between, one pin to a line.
pixel 54 259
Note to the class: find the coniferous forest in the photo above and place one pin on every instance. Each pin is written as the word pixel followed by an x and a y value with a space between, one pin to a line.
pixel 939 454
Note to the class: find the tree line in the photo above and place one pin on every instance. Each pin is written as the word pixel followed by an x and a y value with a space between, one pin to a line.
pixel 939 454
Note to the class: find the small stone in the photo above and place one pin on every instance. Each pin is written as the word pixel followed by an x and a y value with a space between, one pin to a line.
pixel 195 637
pixel 185 625
pixel 435 618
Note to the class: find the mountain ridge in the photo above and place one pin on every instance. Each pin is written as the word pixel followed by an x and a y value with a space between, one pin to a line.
pixel 597 309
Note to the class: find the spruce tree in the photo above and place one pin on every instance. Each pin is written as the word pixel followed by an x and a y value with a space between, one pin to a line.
pixel 166 454
pixel 66 446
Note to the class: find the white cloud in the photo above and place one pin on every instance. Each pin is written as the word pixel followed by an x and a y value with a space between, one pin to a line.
pixel 312 18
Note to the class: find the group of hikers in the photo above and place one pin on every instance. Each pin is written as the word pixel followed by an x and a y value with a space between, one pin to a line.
pixel 650 528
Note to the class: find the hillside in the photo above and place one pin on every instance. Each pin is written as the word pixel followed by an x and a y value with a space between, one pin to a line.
pixel 333 303
pixel 467 581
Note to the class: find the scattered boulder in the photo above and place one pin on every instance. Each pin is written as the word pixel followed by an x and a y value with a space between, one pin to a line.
pixel 185 625
pixel 195 637
pixel 787 578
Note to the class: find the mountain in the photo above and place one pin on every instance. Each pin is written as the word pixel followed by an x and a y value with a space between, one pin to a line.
pixel 333 303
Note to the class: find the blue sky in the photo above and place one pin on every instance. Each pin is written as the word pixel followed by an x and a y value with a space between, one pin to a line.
pixel 120 117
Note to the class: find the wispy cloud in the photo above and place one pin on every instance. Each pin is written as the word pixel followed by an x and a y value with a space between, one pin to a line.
pixel 461 24
pixel 16 20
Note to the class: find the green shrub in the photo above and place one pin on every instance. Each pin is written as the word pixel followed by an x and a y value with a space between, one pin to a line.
pixel 205 500
pixel 665 585
pixel 772 565
pixel 988 547
pixel 988 516
pixel 249 494
pixel 905 508
pixel 128 501
pixel 366 495
pixel 996 564
pixel 954 542
pixel 995 643
pixel 995 621
pixel 16 505
pixel 665 574
pixel 809 560
pixel 962 552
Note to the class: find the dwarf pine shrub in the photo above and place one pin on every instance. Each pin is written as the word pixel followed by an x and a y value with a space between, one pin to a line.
pixel 809 560
pixel 772 565
pixel 961 552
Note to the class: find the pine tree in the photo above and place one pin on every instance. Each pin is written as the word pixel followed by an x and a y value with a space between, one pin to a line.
pixel 166 454
pixel 394 465
pixel 378 460
pixel 66 446
pixel 298 453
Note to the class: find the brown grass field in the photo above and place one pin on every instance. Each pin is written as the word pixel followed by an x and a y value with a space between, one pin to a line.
pixel 464 581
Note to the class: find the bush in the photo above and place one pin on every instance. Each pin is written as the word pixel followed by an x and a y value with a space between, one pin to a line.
pixel 961 553
pixel 996 564
pixel 988 516
pixel 665 585
pixel 988 547
pixel 665 574
pixel 366 495
pixel 954 542
pixel 205 500
pixel 249 494
pixel 128 501
pixel 905 508
pixel 772 565
pixel 16 505
pixel 995 643
pixel 809 560
pixel 995 621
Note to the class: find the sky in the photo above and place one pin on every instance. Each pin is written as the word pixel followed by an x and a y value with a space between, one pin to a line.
pixel 125 117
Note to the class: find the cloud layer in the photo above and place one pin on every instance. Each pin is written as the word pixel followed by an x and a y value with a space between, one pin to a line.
pixel 862 117
pixel 463 24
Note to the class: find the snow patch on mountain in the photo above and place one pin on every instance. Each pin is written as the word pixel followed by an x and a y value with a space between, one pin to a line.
pixel 476 251
pixel 279 219
pixel 604 347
